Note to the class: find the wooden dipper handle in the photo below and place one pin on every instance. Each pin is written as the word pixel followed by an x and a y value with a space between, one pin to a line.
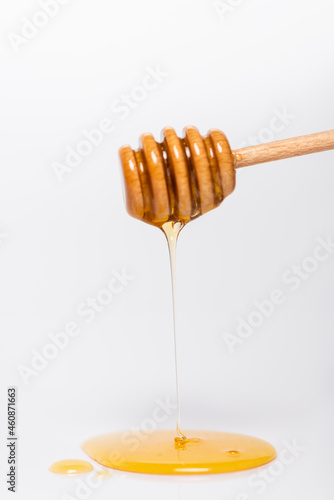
pixel 287 148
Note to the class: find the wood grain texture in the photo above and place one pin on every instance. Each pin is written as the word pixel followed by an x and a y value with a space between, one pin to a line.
pixel 225 161
pixel 179 174
pixel 154 165
pixel 287 148
pixel 201 163
pixel 133 187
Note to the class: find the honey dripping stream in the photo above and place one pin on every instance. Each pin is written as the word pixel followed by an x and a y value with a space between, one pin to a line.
pixel 172 230
pixel 160 451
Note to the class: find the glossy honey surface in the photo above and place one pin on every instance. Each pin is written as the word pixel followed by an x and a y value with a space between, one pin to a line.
pixel 160 452
pixel 71 466
pixel 177 179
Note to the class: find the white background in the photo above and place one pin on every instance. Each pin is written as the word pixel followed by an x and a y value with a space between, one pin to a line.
pixel 60 241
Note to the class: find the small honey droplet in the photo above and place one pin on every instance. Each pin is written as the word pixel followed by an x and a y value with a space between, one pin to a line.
pixel 233 452
pixel 71 466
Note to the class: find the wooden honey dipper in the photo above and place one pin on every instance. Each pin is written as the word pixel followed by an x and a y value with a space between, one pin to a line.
pixel 180 179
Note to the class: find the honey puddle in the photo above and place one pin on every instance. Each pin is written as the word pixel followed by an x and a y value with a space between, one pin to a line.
pixel 161 453
pixel 176 452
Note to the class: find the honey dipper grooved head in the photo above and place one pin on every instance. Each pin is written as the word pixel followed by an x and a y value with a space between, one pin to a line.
pixel 177 179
